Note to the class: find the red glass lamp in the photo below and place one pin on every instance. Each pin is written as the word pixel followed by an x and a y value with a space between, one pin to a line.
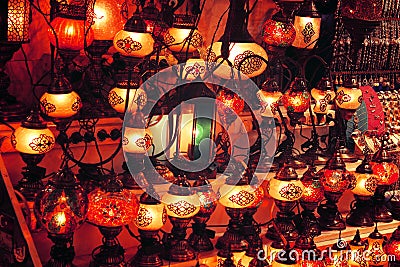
pixel 61 208
pixel 110 209
pixel 151 218
pixel 310 255
pixel 335 179
pixel 200 237
pixel 296 100
pixel 363 188
pixel 229 105
pixel 392 247
pixel 388 173
pixel 182 204
pixel 285 188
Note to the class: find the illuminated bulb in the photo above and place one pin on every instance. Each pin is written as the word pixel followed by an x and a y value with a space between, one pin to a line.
pixel 107 19
pixel 117 99
pixel 183 40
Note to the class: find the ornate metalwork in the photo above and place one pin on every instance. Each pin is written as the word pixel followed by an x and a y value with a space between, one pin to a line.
pixel 308 32
pixel 129 45
pixel 242 198
pixel 291 192
pixel 114 99
pixel 249 65
pixel 181 208
pixel 42 144
pixel 144 217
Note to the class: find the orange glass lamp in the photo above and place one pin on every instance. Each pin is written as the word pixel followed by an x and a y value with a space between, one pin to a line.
pixel 335 179
pixel 236 194
pixel 357 247
pixel 61 208
pixel 110 209
pixel 376 256
pixel 296 100
pixel 151 218
pixel 117 97
pixel 269 95
pixel 388 174
pixel 60 101
pixel 229 105
pixel 307 23
pixel 32 140
pixel 392 247
pixel 323 95
pixel 285 188
pixel 182 204
pixel 199 239
pixel 309 254
pixel 278 32
pixel 363 188
pixel 183 39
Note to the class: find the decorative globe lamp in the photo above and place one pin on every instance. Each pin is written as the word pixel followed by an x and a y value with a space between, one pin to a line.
pixel 307 23
pixel 61 208
pixel 110 209
pixel 60 101
pixel 296 100
pixel 285 188
pixel 308 252
pixel 152 216
pixel 199 239
pixel 357 247
pixel 388 174
pixel 335 179
pixel 32 140
pixel 392 247
pixel 182 204
pixel 229 105
pixel 137 97
pixel 363 189
pixel 376 256
pixel 269 96
pixel 323 94
pixel 338 256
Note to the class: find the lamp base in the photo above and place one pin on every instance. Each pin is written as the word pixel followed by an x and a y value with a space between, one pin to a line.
pixel 307 222
pixel 233 235
pixel 380 211
pixel 149 252
pixel 199 239
pixel 330 218
pixel 360 213
pixel 286 227
pixel 62 252
pixel 179 164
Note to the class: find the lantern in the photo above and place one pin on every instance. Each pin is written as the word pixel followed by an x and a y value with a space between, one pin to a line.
pixel 117 98
pixel 349 96
pixel 269 96
pixel 296 100
pixel 60 101
pixel 338 257
pixel 322 94
pixel 307 23
pixel 182 204
pixel 229 105
pixel 61 208
pixel 392 248
pixel 308 252
pixel 357 248
pixel 285 188
pixel 14 25
pixel 376 255
pixel 110 209
pixel 278 31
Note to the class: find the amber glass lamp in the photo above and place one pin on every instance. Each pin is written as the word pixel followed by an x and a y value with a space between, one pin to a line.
pixel 110 209
pixel 182 204
pixel 32 140
pixel 285 188
pixel 61 208
pixel 323 95
pixel 335 179
pixel 152 216
pixel 278 32
pixel 307 23
pixel 357 247
pixel 200 237
pixel 296 100
pixel 363 188
pixel 376 256
pixel 392 247
pixel 269 95
pixel 229 105
pixel 117 97
pixel 60 101
pixel 388 174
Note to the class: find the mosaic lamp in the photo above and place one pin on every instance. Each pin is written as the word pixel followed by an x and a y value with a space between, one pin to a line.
pixel 182 204
pixel 392 247
pixel 296 100
pixel 377 255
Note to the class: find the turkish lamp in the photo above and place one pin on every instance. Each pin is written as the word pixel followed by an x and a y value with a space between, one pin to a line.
pixel 285 188
pixel 307 23
pixel 296 100
pixel 229 105
pixel 338 257
pixel 150 15
pixel 134 40
pixel 310 255
pixel 377 255
pixel 349 97
pixel 137 97
pixel 278 32
pixel 323 94
pixel 15 22
pixel 269 95
pixel 60 101
pixel 357 247
pixel 392 247
pixel 193 69
pixel 136 139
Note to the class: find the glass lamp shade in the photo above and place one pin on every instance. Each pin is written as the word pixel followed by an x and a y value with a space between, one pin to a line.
pixel 335 181
pixel 183 40
pixel 322 99
pixel 117 99
pixel 259 196
pixel 392 247
pixel 268 101
pixel 208 202
pixel 70 33
pixel 193 68
pixel 277 33
pixel 17 18
pixel 236 196
pixel 297 98
pixel 151 217
pixel 107 19
pixel 307 31
pixel 136 140
pixel 313 191
pixel 112 209
pixel 60 105
pixel 32 141
pixel 364 184
pixel 357 248
pixel 133 44
pixel 250 67
pixel 61 207
pixel 387 172
pixel 348 98
pixel 376 255
pixel 185 206
pixel 290 190
pixel 229 102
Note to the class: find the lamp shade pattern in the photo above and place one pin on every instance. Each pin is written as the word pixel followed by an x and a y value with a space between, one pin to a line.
pixel 348 98
pixel 322 99
pixel 18 19
pixel 296 101
pixel 387 172
pixel 336 181
pixel 365 184
pixel 236 196
pixel 277 33
pixel 181 206
pixel 151 217
pixel 32 141
pixel 133 44
pixel 183 40
pixel 136 140
pixel 268 101
pixel 307 31
pixel 117 99
pixel 240 55
pixel 70 33
pixel 63 105
pixel 285 190
pixel 229 102
pixel 313 191
pixel 193 68
pixel 376 254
